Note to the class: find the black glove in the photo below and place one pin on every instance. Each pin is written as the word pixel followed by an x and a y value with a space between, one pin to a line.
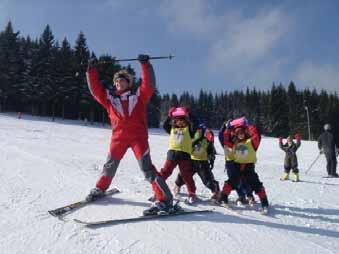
pixel 92 62
pixel 143 58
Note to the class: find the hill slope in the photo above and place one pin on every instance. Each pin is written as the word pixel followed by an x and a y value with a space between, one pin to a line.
pixel 44 165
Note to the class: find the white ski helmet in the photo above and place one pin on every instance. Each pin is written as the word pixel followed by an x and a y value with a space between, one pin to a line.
pixel 327 127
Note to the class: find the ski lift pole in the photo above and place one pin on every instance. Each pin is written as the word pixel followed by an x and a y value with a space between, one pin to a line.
pixel 151 58
pixel 312 164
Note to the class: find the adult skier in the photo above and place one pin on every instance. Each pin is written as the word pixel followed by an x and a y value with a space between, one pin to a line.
pixel 127 112
pixel 327 146
pixel 181 132
pixel 202 157
pixel 241 141
pixel 291 161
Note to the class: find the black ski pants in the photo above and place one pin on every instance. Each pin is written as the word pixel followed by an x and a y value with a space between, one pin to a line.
pixel 331 163
pixel 236 171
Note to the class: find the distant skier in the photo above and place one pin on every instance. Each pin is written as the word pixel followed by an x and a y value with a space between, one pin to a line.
pixel 203 156
pixel 326 144
pixel 127 112
pixel 181 131
pixel 291 160
pixel 241 141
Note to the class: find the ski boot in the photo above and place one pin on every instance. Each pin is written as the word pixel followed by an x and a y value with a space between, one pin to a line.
pixel 296 177
pixel 95 194
pixel 158 208
pixel 285 177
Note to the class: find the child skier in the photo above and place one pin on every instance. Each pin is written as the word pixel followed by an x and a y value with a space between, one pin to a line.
pixel 181 133
pixel 203 156
pixel 127 112
pixel 291 161
pixel 241 141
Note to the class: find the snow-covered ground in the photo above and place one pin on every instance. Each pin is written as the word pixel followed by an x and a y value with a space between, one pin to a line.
pixel 44 165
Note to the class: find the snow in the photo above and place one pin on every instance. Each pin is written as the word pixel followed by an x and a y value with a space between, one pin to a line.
pixel 45 165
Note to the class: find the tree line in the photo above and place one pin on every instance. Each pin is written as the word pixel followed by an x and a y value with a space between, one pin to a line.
pixel 47 78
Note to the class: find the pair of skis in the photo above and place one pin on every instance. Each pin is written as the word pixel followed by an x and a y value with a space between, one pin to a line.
pixel 62 211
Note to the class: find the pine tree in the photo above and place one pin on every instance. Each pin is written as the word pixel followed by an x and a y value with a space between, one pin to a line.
pixel 293 109
pixel 66 79
pixel 83 97
pixel 279 111
pixel 44 71
pixel 11 67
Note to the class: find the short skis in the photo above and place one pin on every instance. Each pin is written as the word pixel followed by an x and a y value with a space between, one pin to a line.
pixel 111 222
pixel 61 211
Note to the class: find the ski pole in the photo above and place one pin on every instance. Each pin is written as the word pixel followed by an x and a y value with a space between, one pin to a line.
pixel 312 164
pixel 136 59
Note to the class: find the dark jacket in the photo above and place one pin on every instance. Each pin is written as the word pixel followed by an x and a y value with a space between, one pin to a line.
pixel 326 143
pixel 291 160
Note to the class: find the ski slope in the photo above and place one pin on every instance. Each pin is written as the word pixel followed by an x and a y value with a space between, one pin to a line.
pixel 45 165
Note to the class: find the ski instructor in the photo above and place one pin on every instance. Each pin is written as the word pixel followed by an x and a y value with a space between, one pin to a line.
pixel 127 111
pixel 326 145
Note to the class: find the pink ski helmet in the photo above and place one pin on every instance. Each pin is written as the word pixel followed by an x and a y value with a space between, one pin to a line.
pixel 180 112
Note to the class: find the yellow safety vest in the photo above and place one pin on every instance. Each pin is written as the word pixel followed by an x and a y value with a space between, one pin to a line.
pixel 199 151
pixel 242 153
pixel 180 140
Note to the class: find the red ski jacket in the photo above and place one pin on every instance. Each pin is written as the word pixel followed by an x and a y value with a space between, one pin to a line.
pixel 128 111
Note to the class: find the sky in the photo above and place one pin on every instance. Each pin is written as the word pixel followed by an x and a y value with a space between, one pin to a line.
pixel 218 45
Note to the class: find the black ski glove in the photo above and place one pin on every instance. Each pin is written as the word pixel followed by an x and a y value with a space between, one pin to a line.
pixel 143 58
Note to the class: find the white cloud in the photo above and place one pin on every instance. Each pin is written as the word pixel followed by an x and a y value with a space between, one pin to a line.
pixel 190 16
pixel 249 40
pixel 318 76
pixel 240 48
pixel 245 52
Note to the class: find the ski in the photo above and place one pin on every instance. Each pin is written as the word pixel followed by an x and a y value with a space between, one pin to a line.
pixel 74 206
pixel 137 219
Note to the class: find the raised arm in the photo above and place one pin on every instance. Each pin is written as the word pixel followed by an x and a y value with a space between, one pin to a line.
pixel 281 145
pixel 167 125
pixel 98 91
pixel 148 82
pixel 255 136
